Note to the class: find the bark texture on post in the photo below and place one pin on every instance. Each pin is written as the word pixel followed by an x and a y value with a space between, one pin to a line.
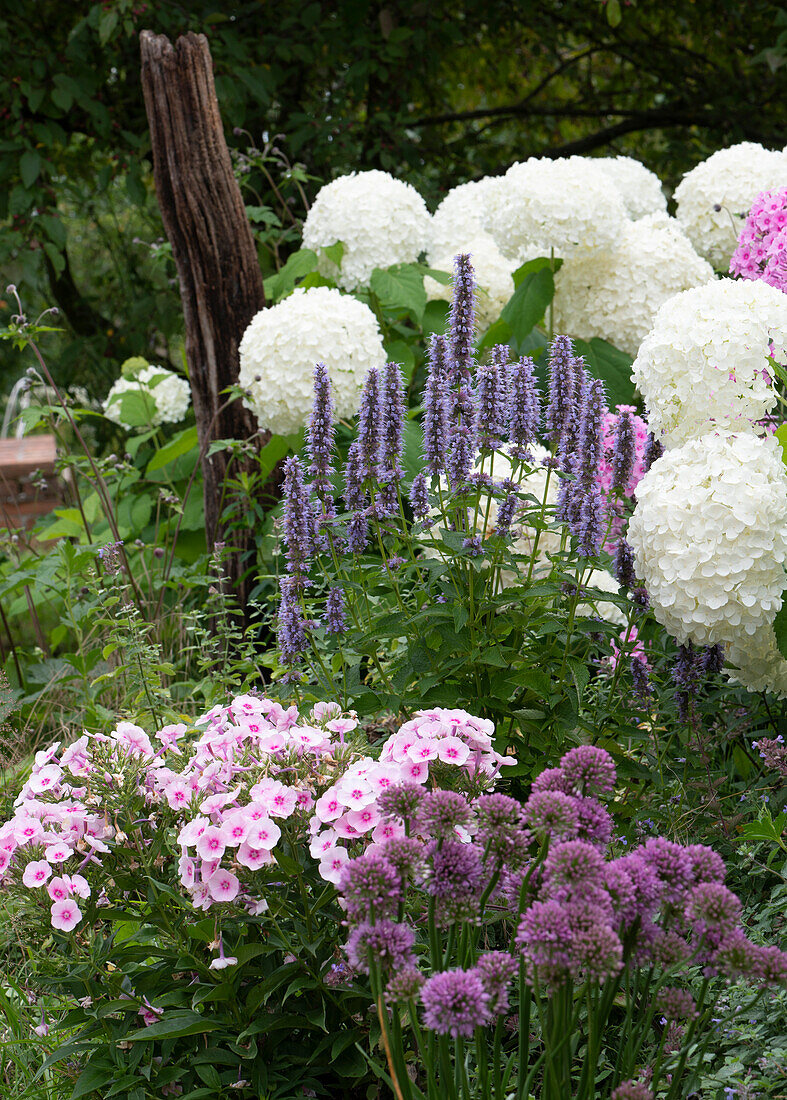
pixel 205 221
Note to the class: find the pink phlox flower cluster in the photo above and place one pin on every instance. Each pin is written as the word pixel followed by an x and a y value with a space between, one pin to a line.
pixel 761 252
pixel 631 648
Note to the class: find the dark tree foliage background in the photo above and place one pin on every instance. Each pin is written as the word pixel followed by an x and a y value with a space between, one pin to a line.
pixel 434 92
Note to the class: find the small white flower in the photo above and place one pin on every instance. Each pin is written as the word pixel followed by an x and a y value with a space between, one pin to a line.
pixel 379 220
pixel 282 344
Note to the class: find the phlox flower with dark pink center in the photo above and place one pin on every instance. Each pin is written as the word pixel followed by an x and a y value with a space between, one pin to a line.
pixel 223 885
pixel 57 853
pixel 332 863
pixel 57 888
pixel 455 1003
pixel 36 873
pixel 65 915
pixel 389 943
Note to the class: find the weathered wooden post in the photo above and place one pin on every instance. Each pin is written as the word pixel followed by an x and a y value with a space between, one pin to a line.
pixel 220 280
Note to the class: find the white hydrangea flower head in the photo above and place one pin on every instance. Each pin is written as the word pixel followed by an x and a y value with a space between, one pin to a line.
pixel 704 363
pixel 639 188
pixel 493 274
pixel 709 535
pixel 380 221
pixel 614 293
pixel 167 396
pixel 282 345
pixel 757 663
pixel 461 217
pixel 560 205
pixel 729 179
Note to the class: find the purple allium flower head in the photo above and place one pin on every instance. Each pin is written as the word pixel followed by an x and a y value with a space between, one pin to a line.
pixel 589 770
pixel 370 886
pixel 497 969
pixel 618 884
pixel 714 911
pixel 653 452
pixel 291 629
pixel 712 659
pixel 624 452
pixel 631 1090
pixel 358 532
pixel 497 811
pixel 455 880
pixel 405 853
pixel 462 318
pixel 298 534
pixel 401 800
pixel 552 814
pixel 405 985
pixel 676 1004
pixel 389 943
pixel 597 952
pixel 419 496
pixel 708 866
pixel 320 432
pixel 665 949
pixel 552 779
pixel 524 407
pixel 440 812
pixel 595 822
pixel 455 1003
pixel 436 412
pixel 545 939
pixel 370 425
pixel 672 864
pixel 491 398
pixel 772 965
pixel 623 568
pixel 573 867
pixel 335 617
pixel 738 956
pixel 645 884
pixel 561 383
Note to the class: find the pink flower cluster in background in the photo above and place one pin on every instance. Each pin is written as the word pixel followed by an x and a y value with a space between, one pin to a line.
pixel 762 245
pixel 225 789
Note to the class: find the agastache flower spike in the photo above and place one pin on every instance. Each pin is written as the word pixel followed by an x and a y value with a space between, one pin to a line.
pixel 436 408
pixel 389 467
pixel 335 618
pixel 419 496
pixel 320 432
pixel 358 533
pixel 561 381
pixel 524 407
pixel 624 452
pixel 298 534
pixel 590 433
pixel 624 565
pixel 354 494
pixel 291 628
pixel 462 319
pixel 369 425
pixel 653 451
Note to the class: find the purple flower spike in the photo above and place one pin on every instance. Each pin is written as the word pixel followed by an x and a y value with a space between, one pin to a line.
pixel 460 458
pixel 624 452
pixel 291 628
pixel 369 425
pixel 524 407
pixel 354 493
pixel 492 394
pixel 419 496
pixel 462 319
pixel 358 533
pixel 335 618
pixel 624 565
pixel 590 527
pixel 389 466
pixel 320 431
pixel 589 441
pixel 298 534
pixel 436 411
pixel 562 383
pixel 653 452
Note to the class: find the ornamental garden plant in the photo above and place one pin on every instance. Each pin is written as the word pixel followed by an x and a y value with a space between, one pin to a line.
pixel 487 799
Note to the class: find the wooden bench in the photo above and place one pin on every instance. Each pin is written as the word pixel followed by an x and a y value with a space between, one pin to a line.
pixel 20 501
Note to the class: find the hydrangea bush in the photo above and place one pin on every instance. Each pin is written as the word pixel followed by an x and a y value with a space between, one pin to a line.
pixel 147 395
